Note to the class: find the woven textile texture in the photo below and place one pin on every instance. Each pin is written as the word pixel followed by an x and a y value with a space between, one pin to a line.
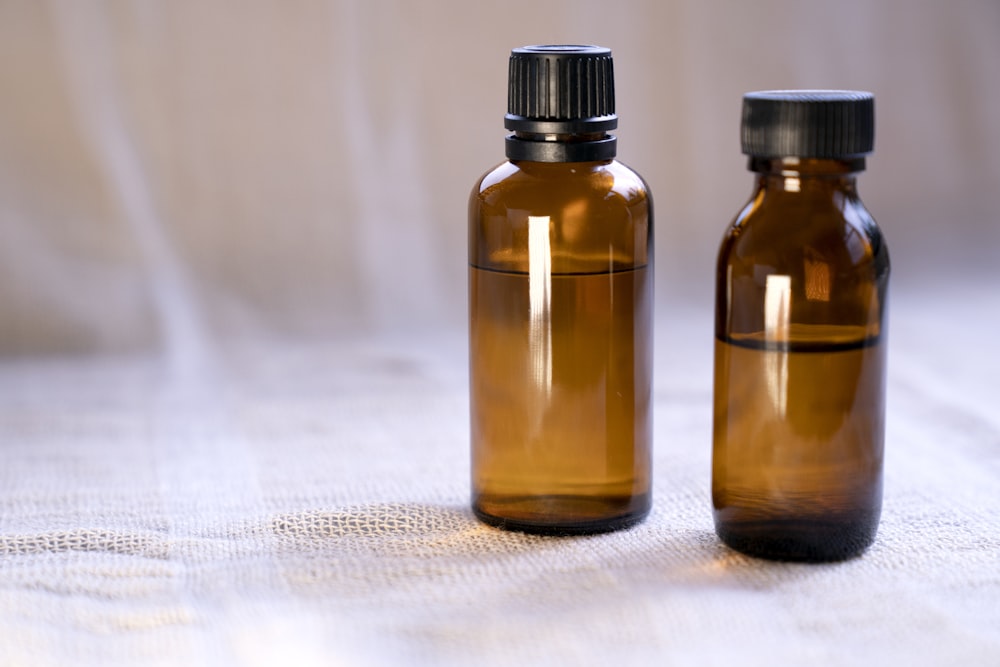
pixel 308 506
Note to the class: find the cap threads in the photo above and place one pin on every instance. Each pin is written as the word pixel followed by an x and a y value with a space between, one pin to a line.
pixel 808 123
pixel 560 90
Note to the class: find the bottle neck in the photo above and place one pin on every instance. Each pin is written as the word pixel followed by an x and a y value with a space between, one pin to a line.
pixel 792 174
pixel 559 147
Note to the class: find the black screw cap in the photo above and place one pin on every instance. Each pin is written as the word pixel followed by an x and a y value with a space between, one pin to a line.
pixel 830 124
pixel 561 90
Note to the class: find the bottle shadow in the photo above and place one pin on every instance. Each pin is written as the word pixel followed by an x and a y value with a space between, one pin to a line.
pixel 396 546
pixel 396 529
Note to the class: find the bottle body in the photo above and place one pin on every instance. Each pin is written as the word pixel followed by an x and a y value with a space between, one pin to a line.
pixel 560 320
pixel 800 355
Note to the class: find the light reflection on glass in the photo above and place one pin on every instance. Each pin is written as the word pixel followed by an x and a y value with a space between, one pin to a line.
pixel 574 220
pixel 729 297
pixel 818 278
pixel 777 316
pixel 540 301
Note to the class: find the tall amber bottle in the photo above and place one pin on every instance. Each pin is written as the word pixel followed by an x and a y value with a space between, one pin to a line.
pixel 800 348
pixel 560 308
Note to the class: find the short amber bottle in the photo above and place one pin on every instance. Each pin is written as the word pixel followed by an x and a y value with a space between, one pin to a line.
pixel 800 350
pixel 560 308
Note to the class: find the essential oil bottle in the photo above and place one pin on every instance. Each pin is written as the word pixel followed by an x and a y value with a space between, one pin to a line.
pixel 800 336
pixel 560 308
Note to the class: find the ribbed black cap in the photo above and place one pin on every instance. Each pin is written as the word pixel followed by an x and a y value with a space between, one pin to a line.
pixel 561 89
pixel 827 124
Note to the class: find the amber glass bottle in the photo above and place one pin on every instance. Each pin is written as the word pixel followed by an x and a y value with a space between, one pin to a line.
pixel 560 308
pixel 800 347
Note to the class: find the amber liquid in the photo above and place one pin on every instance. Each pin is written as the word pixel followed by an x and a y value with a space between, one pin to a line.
pixel 560 399
pixel 798 442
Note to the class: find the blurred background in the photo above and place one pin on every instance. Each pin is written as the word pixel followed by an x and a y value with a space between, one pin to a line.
pixel 175 172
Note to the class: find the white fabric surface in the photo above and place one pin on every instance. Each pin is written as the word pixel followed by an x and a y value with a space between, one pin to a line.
pixel 308 505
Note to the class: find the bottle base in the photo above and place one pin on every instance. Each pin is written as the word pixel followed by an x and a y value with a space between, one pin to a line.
pixel 562 515
pixel 800 539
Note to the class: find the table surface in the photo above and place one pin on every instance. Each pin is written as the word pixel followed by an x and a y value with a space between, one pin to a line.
pixel 258 504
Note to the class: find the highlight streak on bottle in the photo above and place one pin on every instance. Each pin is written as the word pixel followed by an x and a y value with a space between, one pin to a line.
pixel 777 310
pixel 540 301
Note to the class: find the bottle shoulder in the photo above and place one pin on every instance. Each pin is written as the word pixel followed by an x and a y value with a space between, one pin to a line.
pixel 494 176
pixel 598 214
pixel 525 184
pixel 776 230
pixel 822 269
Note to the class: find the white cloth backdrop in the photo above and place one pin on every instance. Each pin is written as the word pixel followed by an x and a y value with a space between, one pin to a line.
pixel 171 171
pixel 232 360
